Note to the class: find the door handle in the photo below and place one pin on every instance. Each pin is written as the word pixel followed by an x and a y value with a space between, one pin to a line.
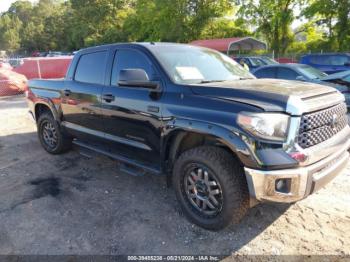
pixel 67 92
pixel 108 98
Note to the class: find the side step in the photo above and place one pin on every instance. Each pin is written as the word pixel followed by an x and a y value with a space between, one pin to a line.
pixel 127 165
pixel 130 170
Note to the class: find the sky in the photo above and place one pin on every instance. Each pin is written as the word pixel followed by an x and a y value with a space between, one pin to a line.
pixel 5 4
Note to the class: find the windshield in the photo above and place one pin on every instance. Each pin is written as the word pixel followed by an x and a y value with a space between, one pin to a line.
pixel 347 78
pixel 194 65
pixel 257 61
pixel 311 73
pixel 269 61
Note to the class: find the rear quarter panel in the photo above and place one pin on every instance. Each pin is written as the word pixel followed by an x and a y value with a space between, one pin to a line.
pixel 46 92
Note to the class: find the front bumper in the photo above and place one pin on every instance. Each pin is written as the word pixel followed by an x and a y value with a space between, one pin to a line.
pixel 303 180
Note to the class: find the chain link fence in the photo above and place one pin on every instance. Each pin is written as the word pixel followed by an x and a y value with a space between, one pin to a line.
pixel 16 71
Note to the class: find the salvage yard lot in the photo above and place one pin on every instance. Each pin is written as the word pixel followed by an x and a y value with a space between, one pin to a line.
pixel 72 204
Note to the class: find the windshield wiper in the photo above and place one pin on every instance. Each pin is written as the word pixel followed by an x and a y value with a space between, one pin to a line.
pixel 210 81
pixel 245 78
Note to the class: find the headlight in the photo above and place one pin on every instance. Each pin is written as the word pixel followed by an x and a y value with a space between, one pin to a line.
pixel 270 126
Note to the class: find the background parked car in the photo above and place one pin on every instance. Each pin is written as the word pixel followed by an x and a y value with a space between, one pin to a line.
pixel 340 81
pixel 341 78
pixel 254 62
pixel 328 63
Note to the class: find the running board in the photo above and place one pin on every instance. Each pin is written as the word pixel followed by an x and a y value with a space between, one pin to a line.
pixel 123 159
pixel 130 170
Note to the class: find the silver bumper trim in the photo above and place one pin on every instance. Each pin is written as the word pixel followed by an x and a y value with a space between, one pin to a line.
pixel 335 144
pixel 304 180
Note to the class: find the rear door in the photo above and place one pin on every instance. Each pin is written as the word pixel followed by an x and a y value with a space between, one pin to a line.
pixel 81 96
pixel 132 117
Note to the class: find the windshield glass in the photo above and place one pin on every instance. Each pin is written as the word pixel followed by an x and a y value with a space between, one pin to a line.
pixel 311 73
pixel 269 61
pixel 257 61
pixel 193 65
pixel 347 78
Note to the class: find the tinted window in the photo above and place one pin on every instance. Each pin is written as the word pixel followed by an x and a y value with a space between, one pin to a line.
pixel 266 73
pixel 347 78
pixel 310 72
pixel 286 73
pixel 130 59
pixel 268 60
pixel 91 68
pixel 257 62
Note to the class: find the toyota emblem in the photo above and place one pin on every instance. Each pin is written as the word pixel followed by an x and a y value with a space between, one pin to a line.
pixel 334 121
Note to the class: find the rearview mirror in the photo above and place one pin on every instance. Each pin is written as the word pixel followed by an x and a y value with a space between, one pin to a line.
pixel 300 78
pixel 136 78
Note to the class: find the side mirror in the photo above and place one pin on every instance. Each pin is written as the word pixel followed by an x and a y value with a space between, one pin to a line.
pixel 300 78
pixel 136 78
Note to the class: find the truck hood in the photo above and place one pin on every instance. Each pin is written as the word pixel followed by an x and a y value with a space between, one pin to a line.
pixel 267 94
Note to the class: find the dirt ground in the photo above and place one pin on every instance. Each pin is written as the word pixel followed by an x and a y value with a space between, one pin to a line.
pixel 71 204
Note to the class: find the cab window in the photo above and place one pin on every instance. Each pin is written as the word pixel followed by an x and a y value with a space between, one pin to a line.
pixel 91 68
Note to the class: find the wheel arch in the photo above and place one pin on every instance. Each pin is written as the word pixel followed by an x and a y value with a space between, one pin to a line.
pixel 188 134
pixel 45 106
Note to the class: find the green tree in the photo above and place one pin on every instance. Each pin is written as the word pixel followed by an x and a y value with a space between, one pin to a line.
pixel 224 28
pixel 9 33
pixel 97 21
pixel 173 20
pixel 333 15
pixel 43 24
pixel 273 20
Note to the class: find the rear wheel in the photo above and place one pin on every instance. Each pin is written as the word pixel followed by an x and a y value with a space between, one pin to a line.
pixel 211 187
pixel 50 135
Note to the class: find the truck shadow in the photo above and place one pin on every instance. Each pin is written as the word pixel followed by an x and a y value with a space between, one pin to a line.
pixel 129 215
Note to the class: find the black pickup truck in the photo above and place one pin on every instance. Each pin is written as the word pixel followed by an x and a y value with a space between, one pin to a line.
pixel 224 139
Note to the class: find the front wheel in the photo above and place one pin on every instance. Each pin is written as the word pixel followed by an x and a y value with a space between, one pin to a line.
pixel 211 187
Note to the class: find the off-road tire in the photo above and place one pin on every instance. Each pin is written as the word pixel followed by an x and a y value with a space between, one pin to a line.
pixel 64 143
pixel 228 171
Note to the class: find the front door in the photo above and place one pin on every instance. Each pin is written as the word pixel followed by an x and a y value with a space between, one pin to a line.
pixel 132 114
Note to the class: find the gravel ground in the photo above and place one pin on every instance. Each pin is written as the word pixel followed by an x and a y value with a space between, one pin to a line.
pixel 71 204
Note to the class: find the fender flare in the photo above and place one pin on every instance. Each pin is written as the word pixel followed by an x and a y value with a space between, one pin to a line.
pixel 48 103
pixel 233 141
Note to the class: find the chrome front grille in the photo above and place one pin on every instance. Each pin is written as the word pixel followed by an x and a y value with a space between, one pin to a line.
pixel 319 126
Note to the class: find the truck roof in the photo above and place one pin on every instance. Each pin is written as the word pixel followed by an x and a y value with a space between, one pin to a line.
pixel 145 44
